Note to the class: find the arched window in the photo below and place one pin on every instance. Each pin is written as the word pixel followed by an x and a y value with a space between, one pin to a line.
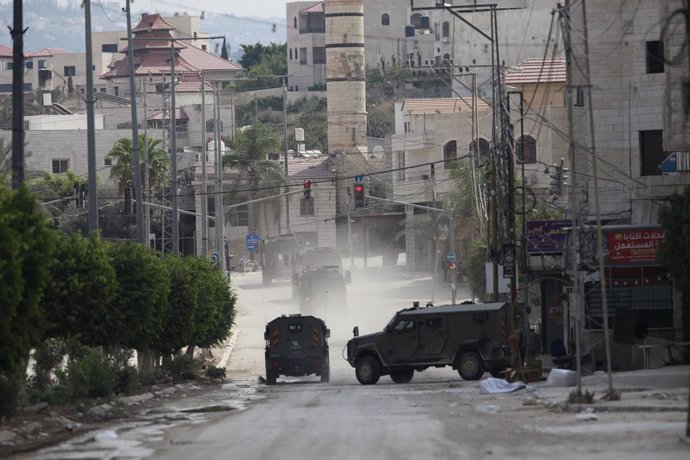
pixel 416 20
pixel 385 19
pixel 526 150
pixel 445 29
pixel 450 153
pixel 483 148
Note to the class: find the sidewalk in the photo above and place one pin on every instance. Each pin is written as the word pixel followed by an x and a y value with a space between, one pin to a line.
pixel 662 389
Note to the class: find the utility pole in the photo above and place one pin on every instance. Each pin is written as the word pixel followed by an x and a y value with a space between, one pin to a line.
pixel 287 176
pixel 90 124
pixel 136 148
pixel 575 242
pixel 220 209
pixel 17 33
pixel 147 185
pixel 173 154
pixel 612 394
pixel 204 178
pixel 349 229
pixel 453 273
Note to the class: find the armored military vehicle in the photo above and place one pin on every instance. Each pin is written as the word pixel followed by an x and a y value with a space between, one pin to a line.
pixel 296 345
pixel 318 280
pixel 277 255
pixel 469 337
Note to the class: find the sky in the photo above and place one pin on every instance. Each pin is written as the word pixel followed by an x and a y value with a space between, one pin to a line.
pixel 257 8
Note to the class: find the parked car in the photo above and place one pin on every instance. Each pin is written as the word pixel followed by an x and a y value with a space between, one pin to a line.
pixel 469 337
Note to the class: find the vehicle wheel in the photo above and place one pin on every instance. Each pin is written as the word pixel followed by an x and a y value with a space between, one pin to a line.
pixel 498 372
pixel 402 376
pixel 471 366
pixel 368 370
pixel 325 374
pixel 271 377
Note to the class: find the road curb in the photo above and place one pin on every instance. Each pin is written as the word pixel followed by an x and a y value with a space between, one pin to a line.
pixel 228 347
pixel 577 408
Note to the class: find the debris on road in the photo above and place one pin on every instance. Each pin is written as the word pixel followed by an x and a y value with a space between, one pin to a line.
pixel 493 385
pixel 587 415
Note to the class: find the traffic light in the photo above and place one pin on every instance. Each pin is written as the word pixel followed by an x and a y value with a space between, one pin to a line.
pixel 359 196
pixel 556 180
pixel 307 189
pixel 451 267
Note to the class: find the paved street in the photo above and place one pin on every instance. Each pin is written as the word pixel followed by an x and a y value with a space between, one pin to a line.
pixel 437 415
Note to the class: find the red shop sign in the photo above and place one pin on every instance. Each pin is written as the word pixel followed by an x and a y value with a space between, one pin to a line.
pixel 634 246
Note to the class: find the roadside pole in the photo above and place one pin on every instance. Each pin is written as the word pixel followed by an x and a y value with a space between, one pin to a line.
pixel 453 273
pixel 349 229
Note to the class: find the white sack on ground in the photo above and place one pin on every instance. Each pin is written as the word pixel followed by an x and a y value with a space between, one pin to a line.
pixel 562 378
pixel 494 386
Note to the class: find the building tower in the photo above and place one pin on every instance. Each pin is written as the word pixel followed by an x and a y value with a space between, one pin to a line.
pixel 345 80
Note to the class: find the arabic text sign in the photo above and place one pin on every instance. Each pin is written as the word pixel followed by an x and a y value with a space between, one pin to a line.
pixel 634 246
pixel 546 236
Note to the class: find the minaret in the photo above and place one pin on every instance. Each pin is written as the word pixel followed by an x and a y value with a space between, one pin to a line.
pixel 347 116
pixel 346 93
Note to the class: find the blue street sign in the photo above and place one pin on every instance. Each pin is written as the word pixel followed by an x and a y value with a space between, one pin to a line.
pixel 252 241
pixel 215 257
pixel 451 257
pixel 358 178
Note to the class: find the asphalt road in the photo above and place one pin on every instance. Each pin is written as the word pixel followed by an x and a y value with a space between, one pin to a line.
pixel 435 416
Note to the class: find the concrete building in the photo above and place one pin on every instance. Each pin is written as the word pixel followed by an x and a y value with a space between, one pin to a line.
pixel 432 135
pixel 428 36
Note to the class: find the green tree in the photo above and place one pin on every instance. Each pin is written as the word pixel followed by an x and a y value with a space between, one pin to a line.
pixel 674 252
pixel 123 169
pixel 80 292
pixel 141 297
pixel 247 158
pixel 216 315
pixel 25 259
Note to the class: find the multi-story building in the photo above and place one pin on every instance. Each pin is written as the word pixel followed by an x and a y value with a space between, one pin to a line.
pixel 422 35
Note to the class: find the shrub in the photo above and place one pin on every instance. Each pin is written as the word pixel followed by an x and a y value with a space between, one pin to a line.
pixel 183 367
pixel 92 376
pixel 127 380
pixel 9 396
pixel 47 357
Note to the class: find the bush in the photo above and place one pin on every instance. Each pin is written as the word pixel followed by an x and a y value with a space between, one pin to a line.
pixel 92 376
pixel 127 380
pixel 183 367
pixel 47 356
pixel 9 396
pixel 216 373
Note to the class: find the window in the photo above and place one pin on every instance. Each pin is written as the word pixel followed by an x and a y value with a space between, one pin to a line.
pixel 210 125
pixel 385 19
pixel 579 96
pixel 403 325
pixel 69 71
pixel 302 56
pixel 483 147
pixel 109 48
pixel 401 166
pixel 319 54
pixel 416 20
pixel 407 127
pixel 60 166
pixel 239 216
pixel 108 162
pixel 306 207
pixel 445 29
pixel 291 54
pixel 655 56
pixel 294 22
pixel 116 90
pixel 527 145
pixel 450 153
pixel 29 64
pixel 102 90
pixel 651 152
pixel 41 63
pixel 9 65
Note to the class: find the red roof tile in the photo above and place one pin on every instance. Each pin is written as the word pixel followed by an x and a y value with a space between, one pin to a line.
pixel 537 71
pixel 46 52
pixel 309 168
pixel 151 22
pixel 204 60
pixel 5 51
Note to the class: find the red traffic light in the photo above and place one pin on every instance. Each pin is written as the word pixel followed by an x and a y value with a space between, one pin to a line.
pixel 307 184
pixel 359 188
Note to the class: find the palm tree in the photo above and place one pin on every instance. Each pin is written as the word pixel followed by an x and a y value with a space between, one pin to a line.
pixel 123 169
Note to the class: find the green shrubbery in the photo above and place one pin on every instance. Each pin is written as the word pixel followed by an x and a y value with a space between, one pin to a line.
pixel 93 302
